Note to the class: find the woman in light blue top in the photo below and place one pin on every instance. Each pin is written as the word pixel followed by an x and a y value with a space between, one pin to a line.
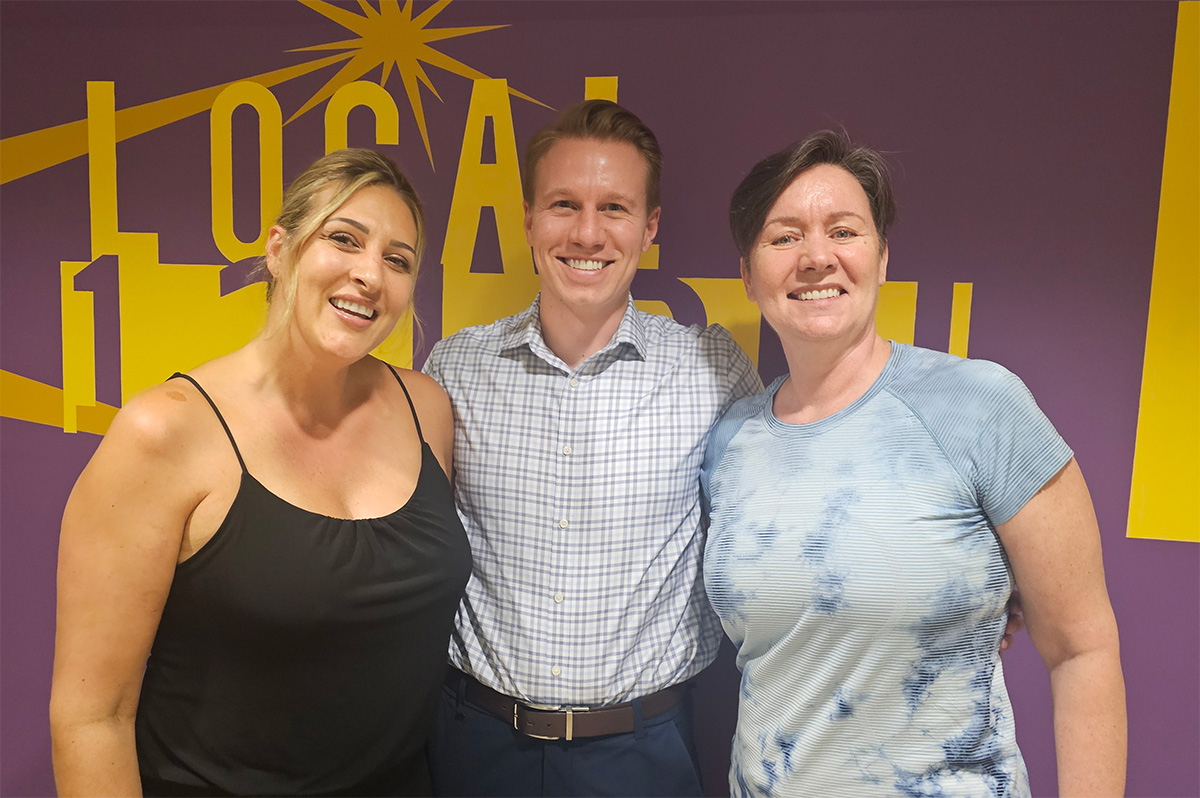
pixel 870 514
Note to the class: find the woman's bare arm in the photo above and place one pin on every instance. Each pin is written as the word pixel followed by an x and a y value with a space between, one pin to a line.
pixel 120 542
pixel 1053 544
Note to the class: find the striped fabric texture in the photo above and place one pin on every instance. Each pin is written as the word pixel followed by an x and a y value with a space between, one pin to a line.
pixel 855 565
pixel 579 490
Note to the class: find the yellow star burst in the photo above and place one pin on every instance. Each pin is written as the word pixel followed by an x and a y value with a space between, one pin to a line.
pixel 392 37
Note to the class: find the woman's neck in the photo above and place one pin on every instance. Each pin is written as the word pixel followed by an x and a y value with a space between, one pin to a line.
pixel 825 377
pixel 317 393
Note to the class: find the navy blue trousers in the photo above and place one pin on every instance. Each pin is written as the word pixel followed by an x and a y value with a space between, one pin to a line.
pixel 473 753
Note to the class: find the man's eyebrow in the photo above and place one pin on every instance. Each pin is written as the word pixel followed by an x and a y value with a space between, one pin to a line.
pixel 624 199
pixel 366 230
pixel 556 194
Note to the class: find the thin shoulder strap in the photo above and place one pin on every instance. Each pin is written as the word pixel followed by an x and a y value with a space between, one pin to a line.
pixel 220 418
pixel 407 396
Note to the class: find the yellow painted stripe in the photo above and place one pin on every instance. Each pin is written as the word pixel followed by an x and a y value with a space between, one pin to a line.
pixel 896 314
pixel 960 319
pixel 40 149
pixel 1166 469
pixel 30 400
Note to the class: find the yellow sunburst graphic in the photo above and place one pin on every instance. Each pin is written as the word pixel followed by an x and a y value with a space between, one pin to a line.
pixel 388 37
pixel 392 37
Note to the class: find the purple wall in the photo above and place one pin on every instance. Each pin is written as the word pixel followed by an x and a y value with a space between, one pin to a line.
pixel 1028 142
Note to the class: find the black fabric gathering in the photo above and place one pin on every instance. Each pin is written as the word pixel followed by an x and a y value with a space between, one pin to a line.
pixel 300 654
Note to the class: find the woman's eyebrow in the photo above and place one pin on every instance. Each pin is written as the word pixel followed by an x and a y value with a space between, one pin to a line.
pixel 366 230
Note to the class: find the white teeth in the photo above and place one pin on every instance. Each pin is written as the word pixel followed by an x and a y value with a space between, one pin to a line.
pixel 353 307
pixel 585 265
pixel 828 293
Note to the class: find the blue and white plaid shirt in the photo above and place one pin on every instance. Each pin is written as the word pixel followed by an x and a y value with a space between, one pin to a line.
pixel 579 490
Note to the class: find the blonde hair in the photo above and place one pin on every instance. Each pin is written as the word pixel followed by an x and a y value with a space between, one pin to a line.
pixel 346 171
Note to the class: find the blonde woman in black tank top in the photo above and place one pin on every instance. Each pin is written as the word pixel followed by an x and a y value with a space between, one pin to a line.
pixel 259 568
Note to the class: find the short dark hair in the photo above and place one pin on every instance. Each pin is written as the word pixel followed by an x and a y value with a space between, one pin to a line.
pixel 770 177
pixel 601 120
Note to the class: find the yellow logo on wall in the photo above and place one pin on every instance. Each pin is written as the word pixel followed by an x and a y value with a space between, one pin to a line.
pixel 203 323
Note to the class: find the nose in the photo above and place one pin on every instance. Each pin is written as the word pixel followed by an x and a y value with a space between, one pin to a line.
pixel 587 231
pixel 816 254
pixel 367 272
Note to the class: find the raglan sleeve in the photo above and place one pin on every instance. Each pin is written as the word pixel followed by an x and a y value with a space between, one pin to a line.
pixel 1013 448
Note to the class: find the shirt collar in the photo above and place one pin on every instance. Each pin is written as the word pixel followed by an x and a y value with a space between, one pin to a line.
pixel 628 342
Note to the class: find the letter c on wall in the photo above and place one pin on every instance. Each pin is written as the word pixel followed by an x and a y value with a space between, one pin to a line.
pixel 351 96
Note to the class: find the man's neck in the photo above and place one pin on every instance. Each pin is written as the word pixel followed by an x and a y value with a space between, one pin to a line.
pixel 575 334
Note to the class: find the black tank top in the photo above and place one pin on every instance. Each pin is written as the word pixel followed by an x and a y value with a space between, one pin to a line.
pixel 300 654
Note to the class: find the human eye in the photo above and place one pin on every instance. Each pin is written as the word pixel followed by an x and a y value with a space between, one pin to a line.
pixel 342 238
pixel 845 234
pixel 783 239
pixel 399 263
pixel 613 207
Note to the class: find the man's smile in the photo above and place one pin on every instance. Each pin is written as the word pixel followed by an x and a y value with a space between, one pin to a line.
pixel 585 264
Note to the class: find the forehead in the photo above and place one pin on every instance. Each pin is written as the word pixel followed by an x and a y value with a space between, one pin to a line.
pixel 820 190
pixel 379 204
pixel 574 165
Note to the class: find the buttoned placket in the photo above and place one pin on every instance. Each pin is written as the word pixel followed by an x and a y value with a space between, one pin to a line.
pixel 565 464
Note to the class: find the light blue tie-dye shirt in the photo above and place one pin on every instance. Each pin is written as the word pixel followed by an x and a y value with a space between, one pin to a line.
pixel 855 565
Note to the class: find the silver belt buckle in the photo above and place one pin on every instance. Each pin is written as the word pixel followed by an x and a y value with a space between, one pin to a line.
pixel 571 720
pixel 517 705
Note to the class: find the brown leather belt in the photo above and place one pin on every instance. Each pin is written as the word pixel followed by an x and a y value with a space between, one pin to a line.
pixel 562 722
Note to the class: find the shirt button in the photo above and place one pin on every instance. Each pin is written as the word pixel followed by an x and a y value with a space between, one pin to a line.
pixel 566 449
pixel 563 524
pixel 557 671
pixel 558 598
pixel 574 383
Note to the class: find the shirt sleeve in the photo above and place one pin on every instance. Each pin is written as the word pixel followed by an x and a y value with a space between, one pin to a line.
pixel 1023 452
pixel 739 375
pixel 995 434
pixel 433 363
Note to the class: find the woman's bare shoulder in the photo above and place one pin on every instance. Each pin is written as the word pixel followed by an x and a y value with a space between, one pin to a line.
pixel 434 412
pixel 428 396
pixel 172 422
pixel 160 419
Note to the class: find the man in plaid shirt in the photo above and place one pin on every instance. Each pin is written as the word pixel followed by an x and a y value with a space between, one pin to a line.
pixel 580 427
